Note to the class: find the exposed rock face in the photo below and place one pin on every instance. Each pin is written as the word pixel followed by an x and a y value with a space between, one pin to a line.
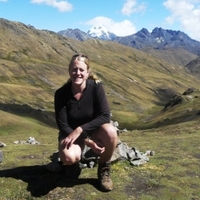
pixel 176 99
pixel 188 91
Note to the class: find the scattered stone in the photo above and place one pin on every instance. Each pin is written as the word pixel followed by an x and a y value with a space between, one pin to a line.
pixel 20 142
pixel 1 156
pixel 149 153
pixel 115 124
pixel 31 140
pixel 2 144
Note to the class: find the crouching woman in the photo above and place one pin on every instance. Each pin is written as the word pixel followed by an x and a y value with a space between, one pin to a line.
pixel 83 118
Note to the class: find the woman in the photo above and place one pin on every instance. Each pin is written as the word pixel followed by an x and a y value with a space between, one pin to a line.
pixel 83 118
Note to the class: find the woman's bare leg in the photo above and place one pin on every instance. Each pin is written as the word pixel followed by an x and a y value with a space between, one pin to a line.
pixel 71 155
pixel 106 136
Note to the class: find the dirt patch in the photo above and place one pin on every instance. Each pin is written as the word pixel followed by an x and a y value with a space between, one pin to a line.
pixel 196 155
pixel 141 185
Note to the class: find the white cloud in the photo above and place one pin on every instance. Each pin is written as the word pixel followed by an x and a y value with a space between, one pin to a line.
pixel 123 28
pixel 62 6
pixel 187 13
pixel 131 6
pixel 3 0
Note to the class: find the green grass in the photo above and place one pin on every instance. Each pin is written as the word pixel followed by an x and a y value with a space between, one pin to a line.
pixel 172 173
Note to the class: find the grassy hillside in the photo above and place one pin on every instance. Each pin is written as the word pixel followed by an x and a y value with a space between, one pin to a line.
pixel 173 56
pixel 33 64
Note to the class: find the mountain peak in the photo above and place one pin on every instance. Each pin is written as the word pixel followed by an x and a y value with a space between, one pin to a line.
pixel 99 31
pixel 75 33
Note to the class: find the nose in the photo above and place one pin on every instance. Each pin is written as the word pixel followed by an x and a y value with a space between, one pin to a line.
pixel 78 71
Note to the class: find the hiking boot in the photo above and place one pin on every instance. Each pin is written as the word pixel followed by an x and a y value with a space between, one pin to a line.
pixel 106 183
pixel 73 171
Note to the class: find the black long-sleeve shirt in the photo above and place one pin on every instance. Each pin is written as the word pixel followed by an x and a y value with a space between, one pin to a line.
pixel 90 112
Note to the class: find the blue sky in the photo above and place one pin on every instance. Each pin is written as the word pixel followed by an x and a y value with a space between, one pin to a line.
pixel 122 17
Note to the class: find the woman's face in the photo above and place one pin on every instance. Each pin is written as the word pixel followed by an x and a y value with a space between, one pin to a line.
pixel 78 72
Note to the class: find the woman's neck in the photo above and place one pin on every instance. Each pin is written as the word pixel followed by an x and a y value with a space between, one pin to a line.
pixel 78 88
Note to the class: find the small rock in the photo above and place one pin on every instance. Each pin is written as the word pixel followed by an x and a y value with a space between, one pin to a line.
pixel 150 153
pixel 1 156
pixel 2 144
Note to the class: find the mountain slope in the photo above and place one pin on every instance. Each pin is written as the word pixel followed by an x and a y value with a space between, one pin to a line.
pixel 194 67
pixel 177 56
pixel 33 64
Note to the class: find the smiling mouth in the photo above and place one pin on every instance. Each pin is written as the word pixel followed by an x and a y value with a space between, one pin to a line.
pixel 78 78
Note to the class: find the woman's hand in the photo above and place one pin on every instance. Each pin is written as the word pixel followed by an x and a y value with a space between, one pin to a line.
pixel 93 145
pixel 69 140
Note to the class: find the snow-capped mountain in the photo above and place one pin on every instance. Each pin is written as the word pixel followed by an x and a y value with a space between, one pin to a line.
pixel 157 39
pixel 100 32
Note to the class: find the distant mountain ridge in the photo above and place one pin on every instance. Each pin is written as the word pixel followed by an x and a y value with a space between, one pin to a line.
pixel 157 39
pixel 98 32
pixel 160 39
pixel 172 46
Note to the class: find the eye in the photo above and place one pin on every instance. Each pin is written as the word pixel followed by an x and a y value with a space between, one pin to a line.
pixel 81 70
pixel 78 69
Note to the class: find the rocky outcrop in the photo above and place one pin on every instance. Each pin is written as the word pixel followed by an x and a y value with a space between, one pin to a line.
pixel 176 99
pixel 188 91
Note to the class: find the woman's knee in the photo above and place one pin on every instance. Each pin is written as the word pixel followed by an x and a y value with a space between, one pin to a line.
pixel 108 132
pixel 70 156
